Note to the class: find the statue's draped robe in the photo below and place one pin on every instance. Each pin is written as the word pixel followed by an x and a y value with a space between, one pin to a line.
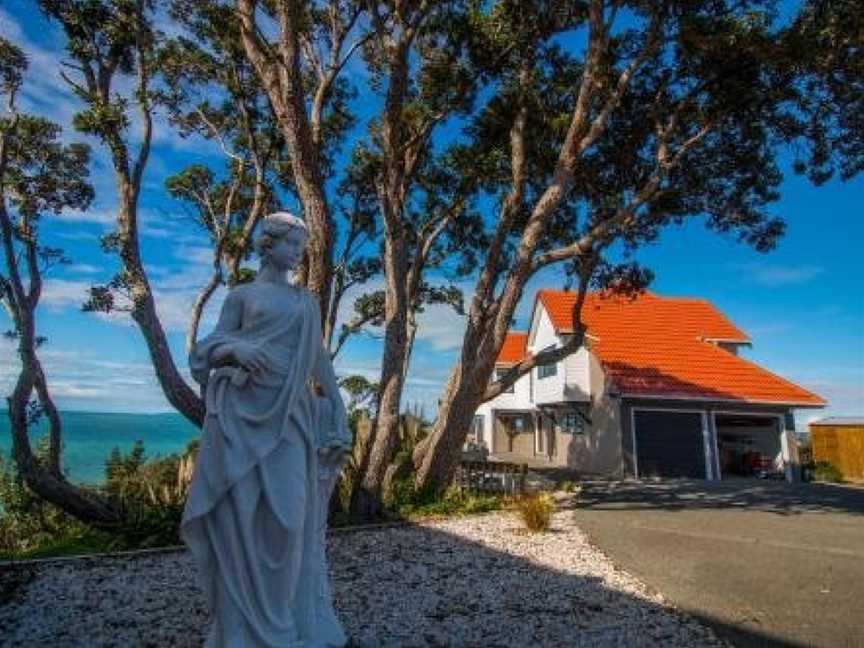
pixel 255 517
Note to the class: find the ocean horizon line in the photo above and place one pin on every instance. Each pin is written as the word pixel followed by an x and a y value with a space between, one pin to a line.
pixel 5 410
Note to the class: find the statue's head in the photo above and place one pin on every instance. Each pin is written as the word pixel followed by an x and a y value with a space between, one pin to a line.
pixel 282 240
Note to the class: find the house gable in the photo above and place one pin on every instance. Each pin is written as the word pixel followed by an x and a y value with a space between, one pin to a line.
pixel 664 347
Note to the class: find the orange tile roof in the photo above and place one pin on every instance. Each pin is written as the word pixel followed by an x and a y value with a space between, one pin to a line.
pixel 514 348
pixel 661 346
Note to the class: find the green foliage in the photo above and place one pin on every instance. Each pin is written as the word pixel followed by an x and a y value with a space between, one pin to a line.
pixel 151 494
pixel 361 391
pixel 27 522
pixel 12 64
pixel 536 511
pixel 43 174
pixel 407 502
pixel 568 486
pixel 826 471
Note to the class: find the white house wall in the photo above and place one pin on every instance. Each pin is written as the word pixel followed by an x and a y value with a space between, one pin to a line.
pixel 520 399
pixel 543 335
pixel 572 380
pixel 577 377
pixel 597 449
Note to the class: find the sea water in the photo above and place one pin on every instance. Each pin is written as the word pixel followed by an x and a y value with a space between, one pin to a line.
pixel 89 437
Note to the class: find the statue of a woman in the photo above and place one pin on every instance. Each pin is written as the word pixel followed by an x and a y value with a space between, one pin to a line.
pixel 269 455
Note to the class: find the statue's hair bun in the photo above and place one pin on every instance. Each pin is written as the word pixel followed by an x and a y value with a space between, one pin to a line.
pixel 283 220
pixel 275 226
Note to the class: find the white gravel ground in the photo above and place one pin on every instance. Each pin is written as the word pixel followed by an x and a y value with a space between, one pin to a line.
pixel 476 581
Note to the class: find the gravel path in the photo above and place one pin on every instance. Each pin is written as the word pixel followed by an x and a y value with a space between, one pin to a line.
pixel 476 581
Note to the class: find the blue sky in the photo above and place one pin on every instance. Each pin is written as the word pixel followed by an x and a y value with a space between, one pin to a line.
pixel 802 304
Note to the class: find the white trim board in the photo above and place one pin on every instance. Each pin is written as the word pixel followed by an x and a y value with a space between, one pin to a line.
pixel 708 401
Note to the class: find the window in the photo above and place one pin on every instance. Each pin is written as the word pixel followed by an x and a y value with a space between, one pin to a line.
pixel 477 429
pixel 551 369
pixel 572 423
pixel 501 372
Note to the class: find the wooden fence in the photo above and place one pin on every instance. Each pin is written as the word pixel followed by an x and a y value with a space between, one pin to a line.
pixel 490 477
pixel 841 446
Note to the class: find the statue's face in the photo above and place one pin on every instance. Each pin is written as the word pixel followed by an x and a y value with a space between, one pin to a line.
pixel 287 251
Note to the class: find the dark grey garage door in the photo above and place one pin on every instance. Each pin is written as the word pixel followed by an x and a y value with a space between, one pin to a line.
pixel 669 444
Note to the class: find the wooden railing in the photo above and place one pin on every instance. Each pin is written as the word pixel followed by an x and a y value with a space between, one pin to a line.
pixel 490 477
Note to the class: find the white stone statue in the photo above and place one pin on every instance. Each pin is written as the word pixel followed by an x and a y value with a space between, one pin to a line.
pixel 269 456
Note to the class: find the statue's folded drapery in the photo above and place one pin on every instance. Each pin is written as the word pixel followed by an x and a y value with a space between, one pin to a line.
pixel 254 520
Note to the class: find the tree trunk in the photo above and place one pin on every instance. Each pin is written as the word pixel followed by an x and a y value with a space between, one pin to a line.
pixel 385 433
pixel 181 396
pixel 437 458
pixel 49 484
pixel 198 309
pixel 317 271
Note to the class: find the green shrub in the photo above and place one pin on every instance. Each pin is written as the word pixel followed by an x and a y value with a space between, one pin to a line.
pixel 536 511
pixel 569 486
pixel 26 520
pixel 826 471
pixel 407 502
pixel 151 495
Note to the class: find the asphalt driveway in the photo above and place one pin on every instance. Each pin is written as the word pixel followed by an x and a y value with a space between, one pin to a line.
pixel 765 564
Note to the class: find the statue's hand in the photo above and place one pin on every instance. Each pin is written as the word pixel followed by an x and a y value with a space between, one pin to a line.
pixel 249 356
pixel 334 452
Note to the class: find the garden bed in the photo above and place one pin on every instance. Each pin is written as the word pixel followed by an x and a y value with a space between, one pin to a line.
pixel 469 581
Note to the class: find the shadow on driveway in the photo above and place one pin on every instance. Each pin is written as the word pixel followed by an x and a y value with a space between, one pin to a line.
pixel 746 494
pixel 764 563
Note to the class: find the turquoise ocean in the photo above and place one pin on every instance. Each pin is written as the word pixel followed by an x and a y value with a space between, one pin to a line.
pixel 88 438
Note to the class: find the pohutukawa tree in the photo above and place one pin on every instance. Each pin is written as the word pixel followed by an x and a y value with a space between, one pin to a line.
pixel 108 42
pixel 300 70
pixel 212 91
pixel 299 67
pixel 416 56
pixel 38 176
pixel 675 110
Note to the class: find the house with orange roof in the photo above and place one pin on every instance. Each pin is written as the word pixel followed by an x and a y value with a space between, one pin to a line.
pixel 659 388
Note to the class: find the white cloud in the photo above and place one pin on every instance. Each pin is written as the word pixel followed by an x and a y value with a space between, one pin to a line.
pixel 60 294
pixel 43 92
pixel 773 276
pixel 83 268
pixel 441 327
pixel 84 380
pixel 100 216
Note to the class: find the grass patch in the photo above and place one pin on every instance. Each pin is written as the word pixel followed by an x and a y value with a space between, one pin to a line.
pixel 89 542
pixel 406 502
pixel 536 511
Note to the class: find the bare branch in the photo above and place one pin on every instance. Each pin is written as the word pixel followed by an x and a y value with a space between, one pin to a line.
pixel 217 134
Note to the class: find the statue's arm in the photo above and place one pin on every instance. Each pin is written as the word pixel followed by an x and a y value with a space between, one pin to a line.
pixel 209 352
pixel 325 376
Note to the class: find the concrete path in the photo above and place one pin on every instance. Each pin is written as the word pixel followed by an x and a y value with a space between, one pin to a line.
pixel 765 564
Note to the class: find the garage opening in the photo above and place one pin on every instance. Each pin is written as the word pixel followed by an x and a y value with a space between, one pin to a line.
pixel 669 444
pixel 749 446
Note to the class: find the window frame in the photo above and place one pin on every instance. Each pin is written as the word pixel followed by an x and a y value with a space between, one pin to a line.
pixel 547 370
pixel 578 426
pixel 502 370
